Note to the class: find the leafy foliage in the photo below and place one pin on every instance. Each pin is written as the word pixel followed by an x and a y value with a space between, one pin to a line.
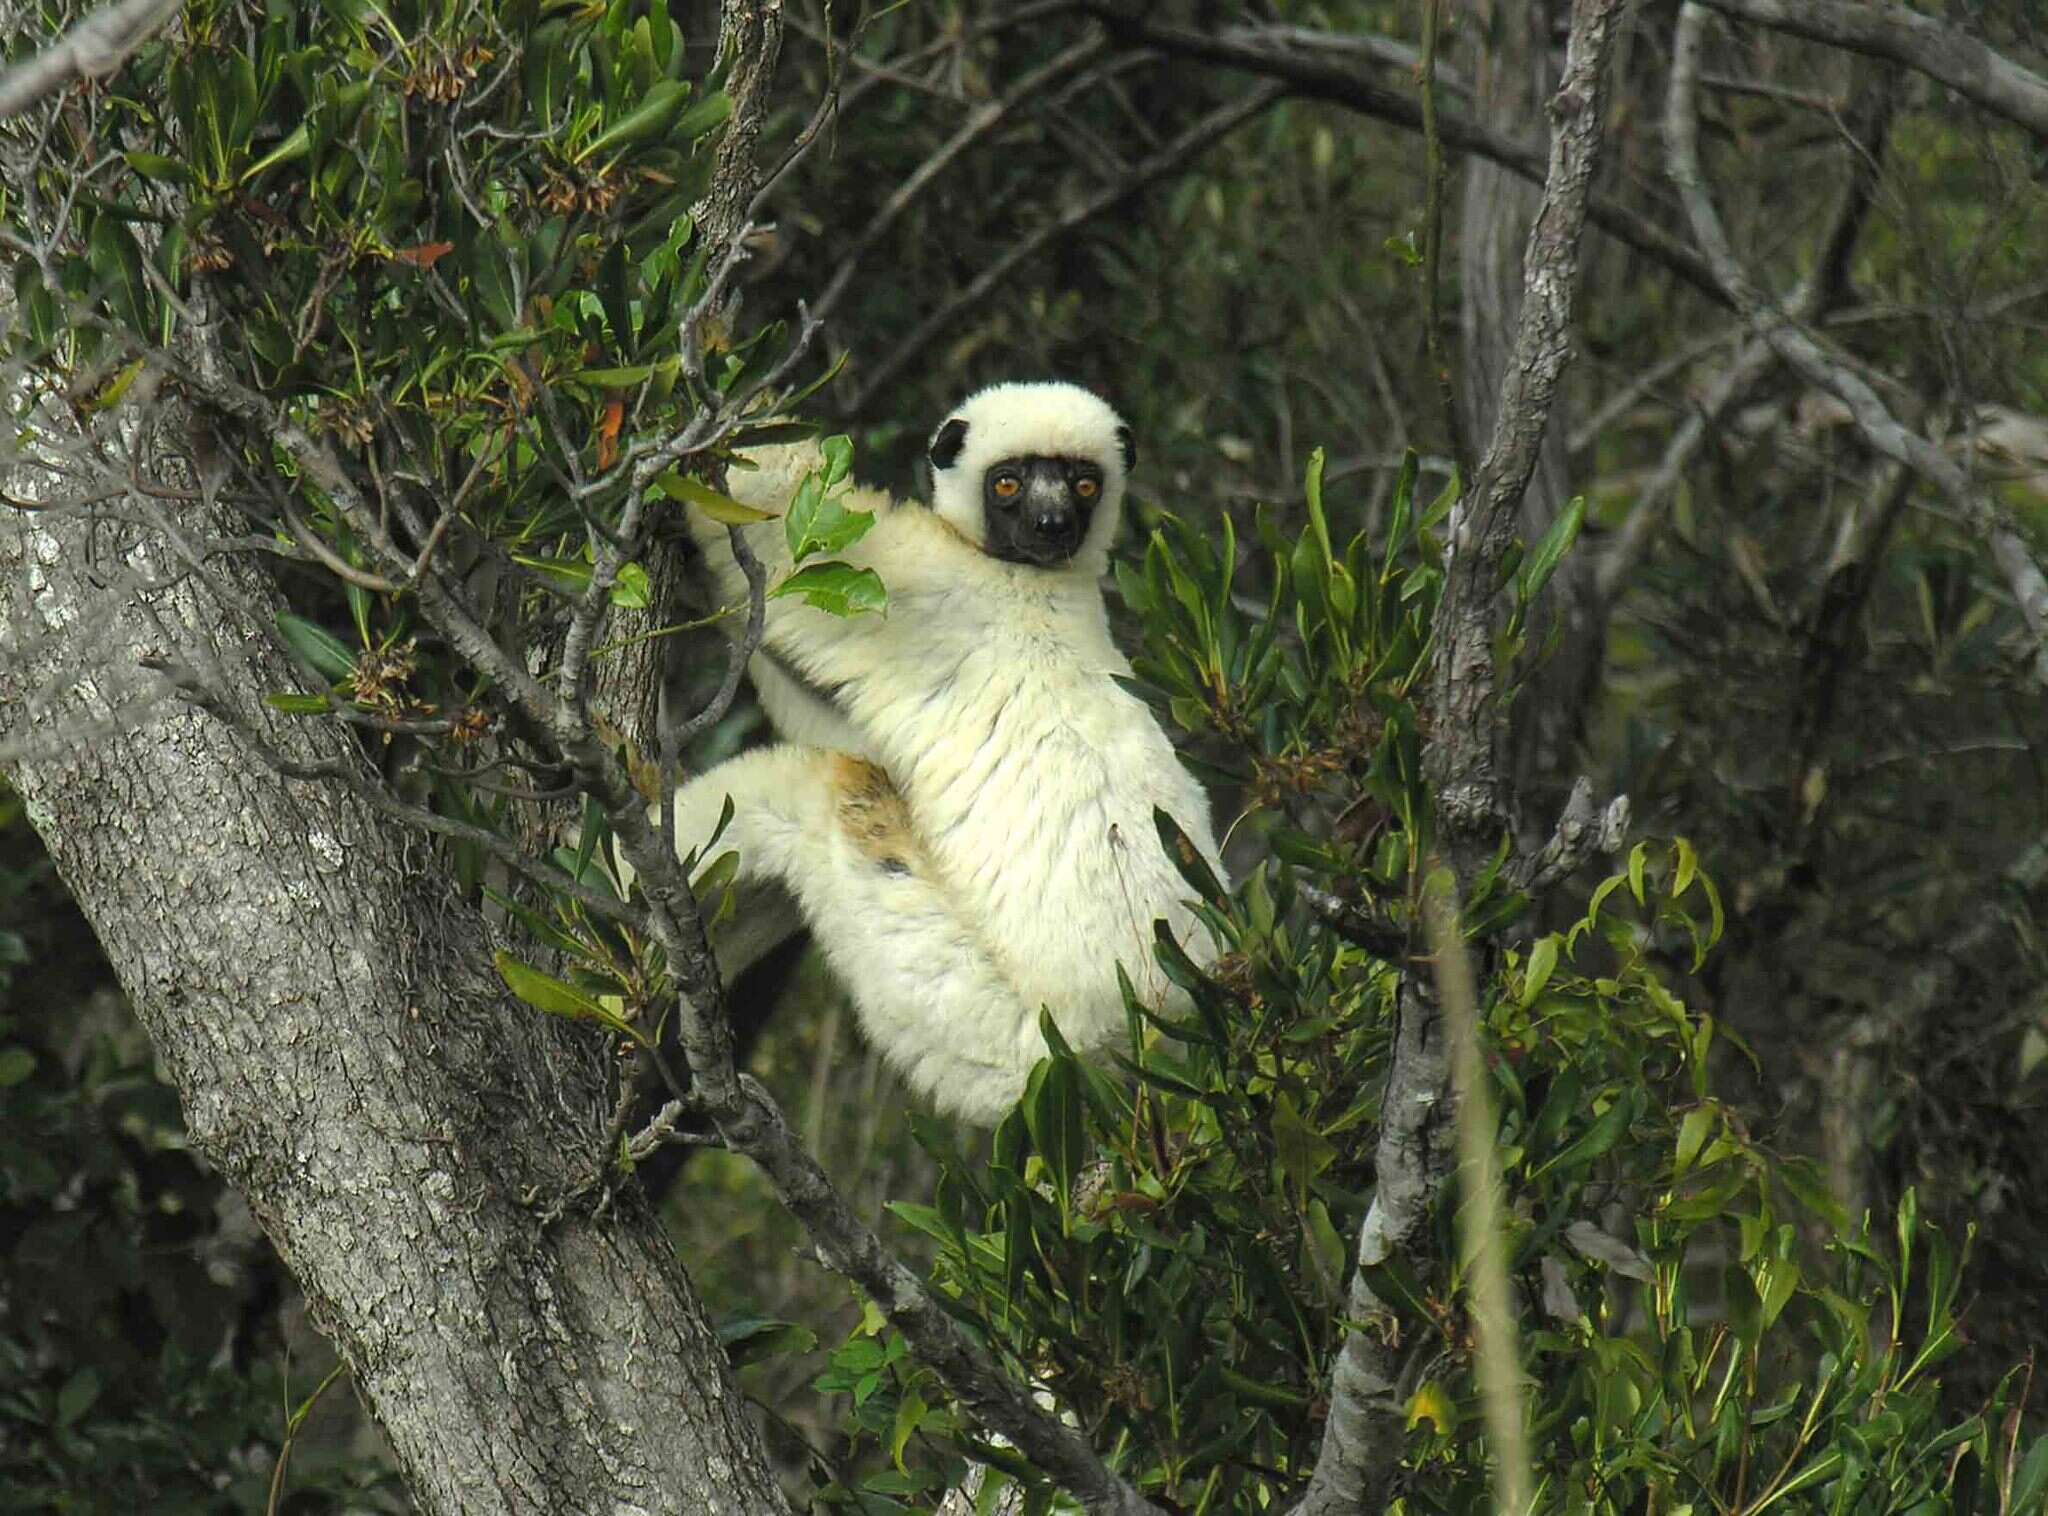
pixel 455 246
pixel 1165 1254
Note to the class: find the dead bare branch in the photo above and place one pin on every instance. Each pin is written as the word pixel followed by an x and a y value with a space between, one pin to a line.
pixel 1921 42
pixel 1820 365
pixel 91 49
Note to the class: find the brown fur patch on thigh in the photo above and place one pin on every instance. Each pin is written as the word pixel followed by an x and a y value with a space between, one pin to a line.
pixel 873 814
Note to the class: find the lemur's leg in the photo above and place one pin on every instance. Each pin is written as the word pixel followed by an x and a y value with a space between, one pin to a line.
pixel 830 828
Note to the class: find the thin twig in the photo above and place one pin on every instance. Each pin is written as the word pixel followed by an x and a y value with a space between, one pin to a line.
pixel 982 120
pixel 1195 139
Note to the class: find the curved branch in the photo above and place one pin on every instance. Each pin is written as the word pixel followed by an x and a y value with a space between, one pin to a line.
pixel 1973 69
pixel 1312 79
pixel 1869 121
pixel 1815 362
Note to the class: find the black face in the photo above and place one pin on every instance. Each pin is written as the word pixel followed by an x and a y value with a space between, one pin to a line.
pixel 1038 509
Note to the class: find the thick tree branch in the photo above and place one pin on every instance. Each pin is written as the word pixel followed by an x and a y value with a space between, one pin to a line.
pixel 1583 832
pixel 91 49
pixel 1461 762
pixel 1363 1438
pixel 345 1057
pixel 1820 366
pixel 1973 69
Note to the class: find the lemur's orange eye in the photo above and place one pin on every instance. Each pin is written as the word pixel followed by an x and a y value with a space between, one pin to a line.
pixel 1007 486
pixel 1087 488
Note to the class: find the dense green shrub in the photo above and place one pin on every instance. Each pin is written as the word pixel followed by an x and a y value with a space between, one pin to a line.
pixel 1163 1247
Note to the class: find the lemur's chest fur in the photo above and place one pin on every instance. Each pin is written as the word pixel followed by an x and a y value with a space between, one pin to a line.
pixel 1031 779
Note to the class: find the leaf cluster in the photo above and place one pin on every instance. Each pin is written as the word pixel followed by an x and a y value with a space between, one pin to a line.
pixel 1164 1248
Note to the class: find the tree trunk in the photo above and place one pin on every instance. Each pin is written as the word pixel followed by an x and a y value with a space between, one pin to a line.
pixel 348 1059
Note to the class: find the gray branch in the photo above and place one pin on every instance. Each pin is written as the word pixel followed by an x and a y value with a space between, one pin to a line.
pixel 1363 1438
pixel 1973 69
pixel 1316 78
pixel 1826 369
pixel 92 49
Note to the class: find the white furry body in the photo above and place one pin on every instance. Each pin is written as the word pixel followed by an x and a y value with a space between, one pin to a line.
pixel 1004 855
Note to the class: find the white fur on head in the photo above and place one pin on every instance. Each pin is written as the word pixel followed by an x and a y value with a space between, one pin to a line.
pixel 1048 419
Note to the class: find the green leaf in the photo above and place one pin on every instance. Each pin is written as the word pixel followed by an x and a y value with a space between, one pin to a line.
pixel 837 587
pixel 1188 859
pixel 77 1396
pixel 1312 486
pixel 837 451
pixel 543 929
pixel 571 576
pixel 316 647
pixel 1557 541
pixel 750 1339
pixel 545 993
pixel 1606 1130
pixel 1052 1113
pixel 707 115
pixel 165 170
pixel 299 705
pixel 491 283
pixel 1686 864
pixel 910 1414
pixel 1542 962
pixel 16 1064
pixel 719 507
pixel 616 378
pixel 117 266
pixel 1303 1151
pixel 817 523
pixel 2030 1484
pixel 658 108
pixel 1693 1130
pixel 1325 1250
pixel 290 150
pixel 631 590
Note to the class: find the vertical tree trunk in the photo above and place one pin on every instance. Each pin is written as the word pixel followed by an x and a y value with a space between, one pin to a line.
pixel 348 1059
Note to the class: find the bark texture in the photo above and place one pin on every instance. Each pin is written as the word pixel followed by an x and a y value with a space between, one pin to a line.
pixel 1511 63
pixel 347 1058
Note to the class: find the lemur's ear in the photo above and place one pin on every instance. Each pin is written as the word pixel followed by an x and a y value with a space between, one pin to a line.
pixel 1129 444
pixel 947 442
